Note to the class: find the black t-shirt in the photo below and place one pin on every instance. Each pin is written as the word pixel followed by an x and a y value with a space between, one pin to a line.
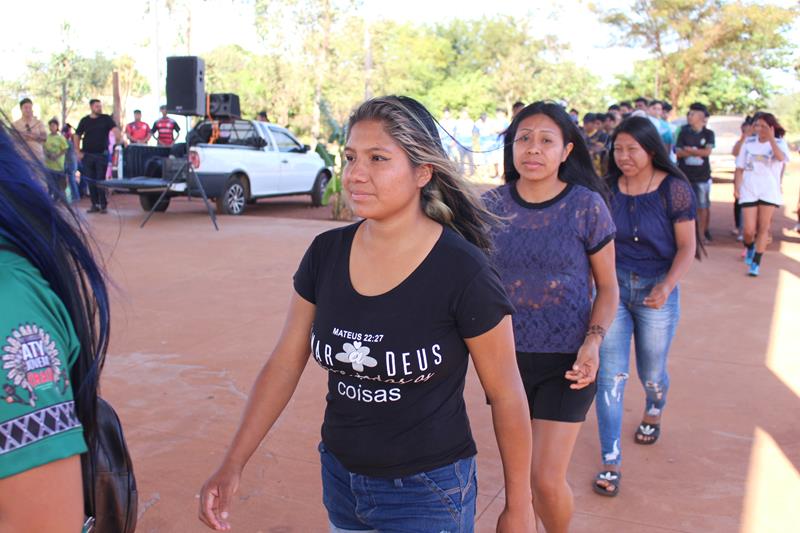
pixel 695 167
pixel 94 132
pixel 397 362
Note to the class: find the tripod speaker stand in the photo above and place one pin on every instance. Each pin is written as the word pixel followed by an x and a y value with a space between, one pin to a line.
pixel 187 175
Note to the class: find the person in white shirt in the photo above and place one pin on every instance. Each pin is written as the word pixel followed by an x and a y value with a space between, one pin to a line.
pixel 757 184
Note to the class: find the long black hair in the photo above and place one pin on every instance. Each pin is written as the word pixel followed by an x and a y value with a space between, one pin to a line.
pixel 646 135
pixel 577 168
pixel 44 230
pixel 447 198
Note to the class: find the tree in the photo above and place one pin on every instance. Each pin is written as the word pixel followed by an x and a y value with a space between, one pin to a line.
pixel 131 81
pixel 262 82
pixel 69 79
pixel 688 39
pixel 10 94
pixel 310 23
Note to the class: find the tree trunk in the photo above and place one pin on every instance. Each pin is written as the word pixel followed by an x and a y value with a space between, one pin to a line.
pixel 63 102
pixel 367 62
pixel 188 31
pixel 315 113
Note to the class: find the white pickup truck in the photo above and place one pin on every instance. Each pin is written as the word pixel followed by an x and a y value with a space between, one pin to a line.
pixel 250 160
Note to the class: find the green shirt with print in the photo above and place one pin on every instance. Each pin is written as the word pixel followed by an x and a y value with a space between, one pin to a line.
pixel 38 344
pixel 55 144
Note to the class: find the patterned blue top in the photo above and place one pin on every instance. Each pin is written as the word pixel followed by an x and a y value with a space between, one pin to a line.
pixel 542 254
pixel 645 241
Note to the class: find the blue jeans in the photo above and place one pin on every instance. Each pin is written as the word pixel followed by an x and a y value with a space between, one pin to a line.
pixel 72 183
pixel 441 500
pixel 652 331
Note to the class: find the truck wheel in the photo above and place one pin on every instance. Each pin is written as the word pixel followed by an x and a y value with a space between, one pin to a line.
pixel 149 199
pixel 318 191
pixel 233 198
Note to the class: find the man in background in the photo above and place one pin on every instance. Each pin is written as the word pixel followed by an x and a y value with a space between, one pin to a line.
pixel 165 129
pixel 137 132
pixel 573 114
pixel 655 111
pixel 694 145
pixel 596 140
pixel 262 116
pixel 464 132
pixel 55 147
pixel 91 139
pixel 31 129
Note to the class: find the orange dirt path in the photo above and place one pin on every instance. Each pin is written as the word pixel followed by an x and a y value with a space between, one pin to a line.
pixel 195 313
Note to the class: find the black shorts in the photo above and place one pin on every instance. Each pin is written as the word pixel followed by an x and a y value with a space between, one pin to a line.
pixel 548 392
pixel 757 203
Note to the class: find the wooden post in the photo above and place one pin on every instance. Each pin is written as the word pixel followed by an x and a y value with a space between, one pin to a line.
pixel 118 114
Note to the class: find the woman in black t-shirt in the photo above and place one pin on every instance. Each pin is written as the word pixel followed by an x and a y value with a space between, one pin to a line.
pixel 393 306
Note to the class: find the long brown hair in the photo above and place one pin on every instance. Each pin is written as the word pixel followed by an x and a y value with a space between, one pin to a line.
pixel 447 198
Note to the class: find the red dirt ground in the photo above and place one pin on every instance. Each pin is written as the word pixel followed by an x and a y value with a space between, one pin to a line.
pixel 195 313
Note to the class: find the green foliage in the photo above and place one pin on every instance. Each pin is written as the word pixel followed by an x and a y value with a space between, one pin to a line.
pixel 787 108
pixel 724 92
pixel 11 92
pixel 79 78
pixel 692 41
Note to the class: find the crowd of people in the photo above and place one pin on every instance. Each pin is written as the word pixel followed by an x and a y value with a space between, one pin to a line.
pixel 78 158
pixel 543 282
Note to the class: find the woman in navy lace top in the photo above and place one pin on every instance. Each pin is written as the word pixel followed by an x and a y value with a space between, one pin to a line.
pixel 654 211
pixel 555 237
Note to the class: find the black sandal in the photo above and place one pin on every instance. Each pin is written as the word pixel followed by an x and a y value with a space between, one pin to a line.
pixel 612 479
pixel 647 431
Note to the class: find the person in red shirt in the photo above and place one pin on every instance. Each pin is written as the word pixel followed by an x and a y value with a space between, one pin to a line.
pixel 165 129
pixel 137 132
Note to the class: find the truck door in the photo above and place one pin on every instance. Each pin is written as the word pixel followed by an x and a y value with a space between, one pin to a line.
pixel 263 163
pixel 297 170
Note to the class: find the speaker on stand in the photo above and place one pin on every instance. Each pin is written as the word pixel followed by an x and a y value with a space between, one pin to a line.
pixel 186 94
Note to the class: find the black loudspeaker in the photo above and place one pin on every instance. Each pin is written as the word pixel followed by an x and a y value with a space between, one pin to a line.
pixel 224 105
pixel 186 93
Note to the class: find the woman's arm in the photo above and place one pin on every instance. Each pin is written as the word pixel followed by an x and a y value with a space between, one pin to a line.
pixel 686 243
pixel 46 498
pixel 738 146
pixel 777 151
pixel 495 361
pixel 737 182
pixel 271 392
pixel 604 272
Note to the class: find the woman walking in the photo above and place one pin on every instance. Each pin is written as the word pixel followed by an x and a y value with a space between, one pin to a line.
pixel 654 212
pixel 757 184
pixel 392 306
pixel 556 239
pixel 54 323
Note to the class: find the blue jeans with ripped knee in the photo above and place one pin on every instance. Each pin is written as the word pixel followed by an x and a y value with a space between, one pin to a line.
pixel 652 331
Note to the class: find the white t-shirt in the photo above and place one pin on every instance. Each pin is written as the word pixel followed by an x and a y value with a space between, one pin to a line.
pixel 762 172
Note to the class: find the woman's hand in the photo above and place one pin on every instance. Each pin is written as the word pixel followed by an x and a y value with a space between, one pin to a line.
pixel 584 371
pixel 216 496
pixel 658 296
pixel 517 520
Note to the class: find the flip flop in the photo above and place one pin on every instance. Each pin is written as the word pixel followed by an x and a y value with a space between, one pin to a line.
pixel 612 478
pixel 649 431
